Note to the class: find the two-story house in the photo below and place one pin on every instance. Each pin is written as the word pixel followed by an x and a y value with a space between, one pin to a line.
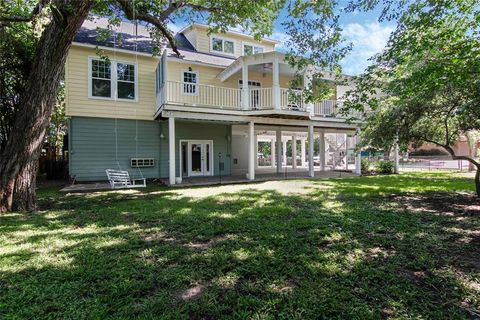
pixel 202 113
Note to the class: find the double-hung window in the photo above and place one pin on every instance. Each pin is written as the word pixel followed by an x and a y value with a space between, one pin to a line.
pixel 223 46
pixel 190 81
pixel 125 81
pixel 101 83
pixel 111 79
pixel 249 49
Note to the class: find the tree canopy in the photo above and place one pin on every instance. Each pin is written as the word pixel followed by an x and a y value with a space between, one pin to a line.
pixel 424 86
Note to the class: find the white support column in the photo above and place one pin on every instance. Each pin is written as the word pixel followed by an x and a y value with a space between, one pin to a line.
pixel 251 151
pixel 276 83
pixel 311 171
pixel 272 151
pixel 346 151
pixel 322 151
pixel 245 93
pixel 278 140
pixel 284 152
pixel 396 157
pixel 307 80
pixel 171 150
pixel 358 157
pixel 256 149
pixel 294 151
pixel 302 150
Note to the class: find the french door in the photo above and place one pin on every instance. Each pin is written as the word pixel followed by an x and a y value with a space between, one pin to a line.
pixel 199 158
pixel 253 93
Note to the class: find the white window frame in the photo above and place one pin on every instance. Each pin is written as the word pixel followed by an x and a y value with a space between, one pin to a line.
pixel 113 80
pixel 223 45
pixel 197 88
pixel 189 160
pixel 245 43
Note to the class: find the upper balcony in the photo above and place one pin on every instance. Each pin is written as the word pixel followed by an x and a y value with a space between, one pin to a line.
pixel 262 96
pixel 209 96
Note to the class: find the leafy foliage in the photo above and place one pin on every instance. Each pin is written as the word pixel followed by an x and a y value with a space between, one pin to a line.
pixel 424 86
pixel 386 167
pixel 365 165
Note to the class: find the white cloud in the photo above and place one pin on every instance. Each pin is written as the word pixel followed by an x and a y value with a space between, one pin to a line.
pixel 367 39
pixel 282 37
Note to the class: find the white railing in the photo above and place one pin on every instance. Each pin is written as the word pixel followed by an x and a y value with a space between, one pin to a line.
pixel 291 99
pixel 160 97
pixel 202 95
pixel 325 108
pixel 190 94
pixel 260 98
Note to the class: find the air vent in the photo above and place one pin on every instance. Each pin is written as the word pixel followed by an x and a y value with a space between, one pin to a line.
pixel 142 162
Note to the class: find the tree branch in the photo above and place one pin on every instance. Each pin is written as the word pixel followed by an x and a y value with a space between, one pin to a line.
pixel 452 152
pixel 36 10
pixel 133 13
pixel 160 21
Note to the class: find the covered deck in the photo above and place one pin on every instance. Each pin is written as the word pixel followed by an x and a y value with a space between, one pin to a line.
pixel 217 180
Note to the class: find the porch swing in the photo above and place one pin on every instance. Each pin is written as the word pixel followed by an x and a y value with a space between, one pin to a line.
pixel 118 178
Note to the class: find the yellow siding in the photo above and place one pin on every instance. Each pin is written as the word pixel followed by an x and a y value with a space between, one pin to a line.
pixel 78 103
pixel 203 40
pixel 191 36
pixel 212 91
pixel 208 76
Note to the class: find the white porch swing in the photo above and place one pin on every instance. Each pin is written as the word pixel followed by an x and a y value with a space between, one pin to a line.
pixel 118 178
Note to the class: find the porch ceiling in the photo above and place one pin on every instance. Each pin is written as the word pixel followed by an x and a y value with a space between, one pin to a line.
pixel 260 62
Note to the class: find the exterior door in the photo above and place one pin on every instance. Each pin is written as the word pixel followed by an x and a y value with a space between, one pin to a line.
pixel 253 93
pixel 200 156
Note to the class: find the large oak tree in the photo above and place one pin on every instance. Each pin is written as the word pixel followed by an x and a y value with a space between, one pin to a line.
pixel 312 27
pixel 424 87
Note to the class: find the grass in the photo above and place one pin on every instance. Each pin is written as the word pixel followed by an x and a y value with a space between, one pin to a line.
pixel 370 247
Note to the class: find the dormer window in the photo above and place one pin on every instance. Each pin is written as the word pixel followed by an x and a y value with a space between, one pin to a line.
pixel 250 49
pixel 222 45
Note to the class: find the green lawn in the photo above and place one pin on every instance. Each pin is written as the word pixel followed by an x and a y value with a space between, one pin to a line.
pixel 370 247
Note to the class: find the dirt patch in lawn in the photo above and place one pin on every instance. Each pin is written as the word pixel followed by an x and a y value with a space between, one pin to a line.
pixel 452 203
pixel 460 223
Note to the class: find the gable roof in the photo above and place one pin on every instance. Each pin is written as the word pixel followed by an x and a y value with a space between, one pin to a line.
pixel 125 38
pixel 206 26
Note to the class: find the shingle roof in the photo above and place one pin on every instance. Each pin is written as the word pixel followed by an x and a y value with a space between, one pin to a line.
pixel 126 40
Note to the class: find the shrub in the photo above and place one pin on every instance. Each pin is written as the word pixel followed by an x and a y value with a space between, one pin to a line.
pixel 365 164
pixel 385 167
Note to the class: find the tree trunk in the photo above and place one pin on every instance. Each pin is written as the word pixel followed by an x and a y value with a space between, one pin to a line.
pixel 477 182
pixel 38 100
pixel 24 198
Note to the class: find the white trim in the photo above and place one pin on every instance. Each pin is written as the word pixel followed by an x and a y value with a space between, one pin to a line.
pixel 196 24
pixel 223 45
pixel 182 73
pixel 192 62
pixel 132 52
pixel 189 142
pixel 253 45
pixel 256 117
pixel 113 80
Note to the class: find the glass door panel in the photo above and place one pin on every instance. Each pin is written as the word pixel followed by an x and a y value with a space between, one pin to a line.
pixel 196 156
pixel 207 158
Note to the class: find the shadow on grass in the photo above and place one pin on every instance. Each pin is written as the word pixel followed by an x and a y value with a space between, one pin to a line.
pixel 343 252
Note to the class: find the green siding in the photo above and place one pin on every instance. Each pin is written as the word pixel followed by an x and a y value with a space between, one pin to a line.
pixel 92 147
pixel 219 133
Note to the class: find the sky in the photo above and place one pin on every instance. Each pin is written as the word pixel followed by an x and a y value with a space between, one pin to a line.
pixel 362 29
